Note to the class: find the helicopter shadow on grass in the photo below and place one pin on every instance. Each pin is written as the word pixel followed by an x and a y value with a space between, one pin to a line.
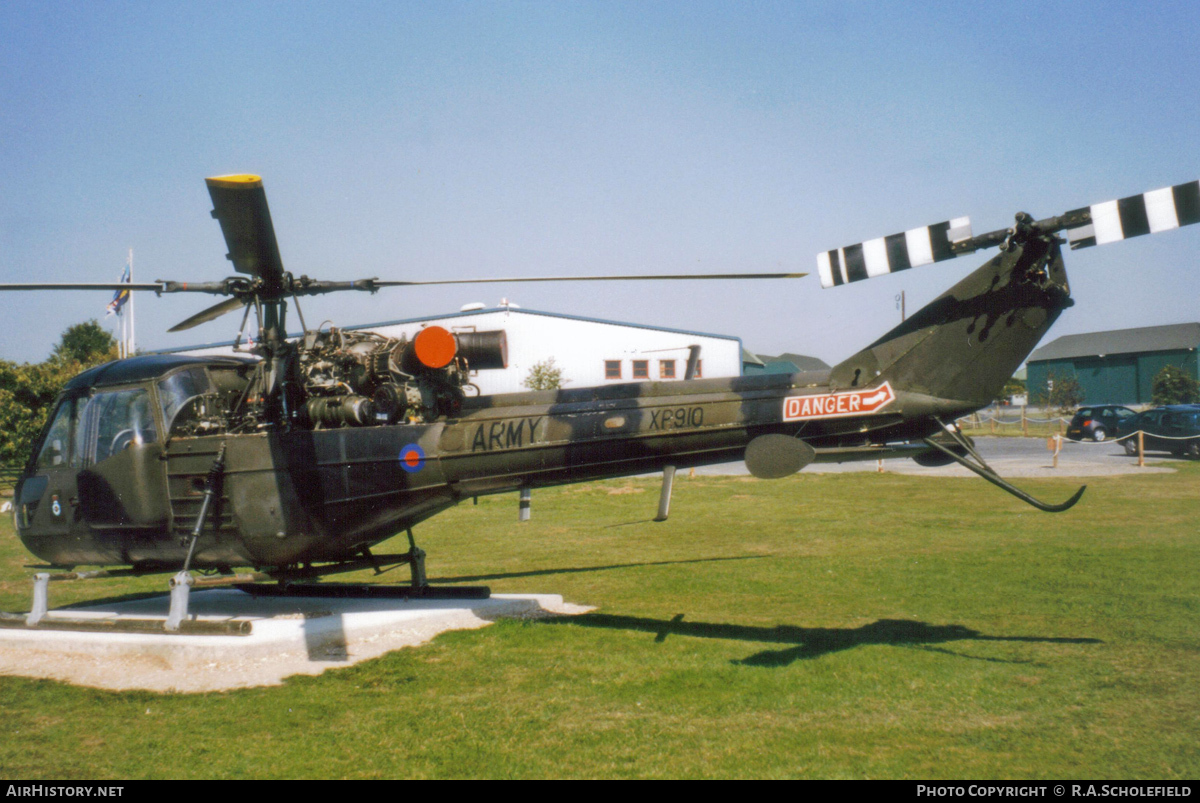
pixel 810 642
pixel 578 569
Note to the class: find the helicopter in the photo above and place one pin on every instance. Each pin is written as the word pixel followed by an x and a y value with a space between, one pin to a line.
pixel 297 461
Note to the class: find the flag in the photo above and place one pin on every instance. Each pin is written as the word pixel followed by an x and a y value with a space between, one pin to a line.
pixel 119 297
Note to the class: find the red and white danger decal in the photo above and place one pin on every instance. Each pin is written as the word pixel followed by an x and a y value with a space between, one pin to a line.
pixel 838 405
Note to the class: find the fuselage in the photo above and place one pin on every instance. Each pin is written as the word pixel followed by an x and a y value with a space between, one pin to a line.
pixel 311 495
pixel 119 472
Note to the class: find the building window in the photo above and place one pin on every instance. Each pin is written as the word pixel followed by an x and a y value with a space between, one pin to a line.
pixel 612 369
pixel 666 369
pixel 641 369
pixel 699 369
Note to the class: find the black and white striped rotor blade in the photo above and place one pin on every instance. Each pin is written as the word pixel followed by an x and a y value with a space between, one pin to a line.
pixel 1148 213
pixel 895 252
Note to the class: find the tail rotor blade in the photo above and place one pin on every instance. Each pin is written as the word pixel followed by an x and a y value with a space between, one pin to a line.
pixel 895 252
pixel 1149 213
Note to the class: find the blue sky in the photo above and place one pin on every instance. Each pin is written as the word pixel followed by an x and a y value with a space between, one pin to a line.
pixel 423 140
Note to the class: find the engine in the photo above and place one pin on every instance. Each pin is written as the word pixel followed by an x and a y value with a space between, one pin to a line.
pixel 361 379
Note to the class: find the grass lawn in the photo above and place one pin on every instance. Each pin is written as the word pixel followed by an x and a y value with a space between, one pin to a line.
pixel 833 626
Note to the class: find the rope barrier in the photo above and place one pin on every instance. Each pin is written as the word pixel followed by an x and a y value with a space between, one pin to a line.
pixel 1017 422
pixel 1151 435
pixel 1108 441
pixel 969 422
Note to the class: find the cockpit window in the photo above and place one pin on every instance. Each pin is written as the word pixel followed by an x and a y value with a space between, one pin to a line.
pixel 123 418
pixel 178 389
pixel 61 445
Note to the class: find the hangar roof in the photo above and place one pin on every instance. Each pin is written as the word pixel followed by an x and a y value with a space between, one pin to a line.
pixel 513 310
pixel 802 361
pixel 1174 337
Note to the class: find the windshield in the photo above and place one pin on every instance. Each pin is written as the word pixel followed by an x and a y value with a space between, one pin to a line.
pixel 123 418
pixel 61 446
pixel 178 389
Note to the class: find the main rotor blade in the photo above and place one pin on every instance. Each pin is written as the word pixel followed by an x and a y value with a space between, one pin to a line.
pixel 156 287
pixel 626 278
pixel 240 205
pixel 213 312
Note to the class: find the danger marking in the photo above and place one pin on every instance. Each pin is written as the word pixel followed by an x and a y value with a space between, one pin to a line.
pixel 838 405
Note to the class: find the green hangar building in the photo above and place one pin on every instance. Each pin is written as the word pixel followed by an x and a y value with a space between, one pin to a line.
pixel 1115 367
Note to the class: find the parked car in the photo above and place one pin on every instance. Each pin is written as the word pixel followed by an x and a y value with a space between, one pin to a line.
pixel 1098 422
pixel 1174 428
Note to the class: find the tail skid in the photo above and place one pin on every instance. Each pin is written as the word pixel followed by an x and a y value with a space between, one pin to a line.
pixel 979 466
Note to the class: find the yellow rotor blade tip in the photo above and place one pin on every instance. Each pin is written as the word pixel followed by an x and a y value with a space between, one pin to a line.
pixel 239 180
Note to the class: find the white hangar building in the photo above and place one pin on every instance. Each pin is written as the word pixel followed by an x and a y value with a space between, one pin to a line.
pixel 588 351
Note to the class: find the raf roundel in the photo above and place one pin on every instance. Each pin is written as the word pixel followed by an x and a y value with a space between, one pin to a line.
pixel 412 458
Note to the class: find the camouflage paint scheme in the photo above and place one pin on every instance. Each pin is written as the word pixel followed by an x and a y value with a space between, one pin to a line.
pixel 297 496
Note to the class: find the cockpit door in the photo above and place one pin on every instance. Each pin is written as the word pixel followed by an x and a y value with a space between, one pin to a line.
pixel 48 500
pixel 123 484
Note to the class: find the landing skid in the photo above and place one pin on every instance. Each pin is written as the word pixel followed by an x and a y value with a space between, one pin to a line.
pixel 365 591
pixel 294 581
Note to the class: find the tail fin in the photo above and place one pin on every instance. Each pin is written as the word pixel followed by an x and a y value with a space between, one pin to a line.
pixel 965 345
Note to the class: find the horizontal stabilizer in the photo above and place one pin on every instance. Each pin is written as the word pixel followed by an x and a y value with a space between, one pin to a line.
pixel 895 252
pixel 1148 213
pixel 772 457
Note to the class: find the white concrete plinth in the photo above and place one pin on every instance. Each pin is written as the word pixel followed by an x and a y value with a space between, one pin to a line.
pixel 289 636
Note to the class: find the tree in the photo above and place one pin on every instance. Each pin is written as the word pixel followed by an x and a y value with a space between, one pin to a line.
pixel 545 375
pixel 86 343
pixel 28 390
pixel 1063 395
pixel 1013 387
pixel 1174 385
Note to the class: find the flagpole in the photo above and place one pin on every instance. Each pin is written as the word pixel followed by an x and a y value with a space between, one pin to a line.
pixel 121 299
pixel 131 348
pixel 123 327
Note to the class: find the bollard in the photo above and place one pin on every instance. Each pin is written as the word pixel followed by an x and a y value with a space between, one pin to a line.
pixel 181 585
pixel 1141 451
pixel 41 598
pixel 524 505
pixel 1054 444
pixel 664 498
